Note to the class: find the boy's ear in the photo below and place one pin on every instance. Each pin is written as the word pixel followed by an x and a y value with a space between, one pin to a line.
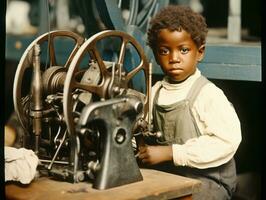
pixel 201 52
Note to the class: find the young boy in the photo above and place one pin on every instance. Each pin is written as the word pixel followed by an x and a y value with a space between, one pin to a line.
pixel 200 128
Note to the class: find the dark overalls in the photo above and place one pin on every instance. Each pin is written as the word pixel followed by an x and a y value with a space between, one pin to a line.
pixel 177 124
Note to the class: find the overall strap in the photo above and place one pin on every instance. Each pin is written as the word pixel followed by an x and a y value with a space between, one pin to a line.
pixel 195 89
pixel 155 98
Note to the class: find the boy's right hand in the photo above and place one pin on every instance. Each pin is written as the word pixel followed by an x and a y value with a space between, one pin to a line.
pixel 152 155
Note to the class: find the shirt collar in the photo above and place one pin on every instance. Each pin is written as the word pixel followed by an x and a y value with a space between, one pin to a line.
pixel 186 83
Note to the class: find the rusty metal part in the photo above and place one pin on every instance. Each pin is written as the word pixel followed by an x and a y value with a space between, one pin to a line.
pixel 26 63
pixel 115 117
pixel 112 82
pixel 52 108
pixel 53 79
pixel 36 105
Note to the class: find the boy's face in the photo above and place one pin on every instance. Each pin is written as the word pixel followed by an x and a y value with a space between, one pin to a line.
pixel 177 54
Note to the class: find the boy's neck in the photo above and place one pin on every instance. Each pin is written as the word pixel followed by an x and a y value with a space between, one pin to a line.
pixel 171 81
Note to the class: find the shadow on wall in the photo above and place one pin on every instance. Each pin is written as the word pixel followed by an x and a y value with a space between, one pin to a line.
pixel 247 98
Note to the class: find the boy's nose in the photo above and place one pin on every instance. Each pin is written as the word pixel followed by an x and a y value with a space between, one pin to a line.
pixel 174 57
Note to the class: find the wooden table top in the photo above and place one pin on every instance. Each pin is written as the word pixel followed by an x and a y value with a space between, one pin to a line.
pixel 155 185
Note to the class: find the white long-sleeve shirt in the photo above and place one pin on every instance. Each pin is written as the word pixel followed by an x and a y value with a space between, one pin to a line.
pixel 216 119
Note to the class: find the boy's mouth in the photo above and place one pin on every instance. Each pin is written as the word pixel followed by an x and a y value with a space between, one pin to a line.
pixel 176 67
pixel 173 69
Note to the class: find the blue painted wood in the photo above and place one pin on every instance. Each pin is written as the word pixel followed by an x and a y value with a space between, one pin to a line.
pixel 16 45
pixel 231 72
pixel 246 55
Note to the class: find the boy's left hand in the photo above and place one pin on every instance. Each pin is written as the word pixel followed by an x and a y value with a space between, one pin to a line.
pixel 155 154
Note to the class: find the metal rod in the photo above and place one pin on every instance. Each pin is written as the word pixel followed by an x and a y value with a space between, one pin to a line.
pixel 149 96
pixel 57 150
pixel 56 161
pixel 36 105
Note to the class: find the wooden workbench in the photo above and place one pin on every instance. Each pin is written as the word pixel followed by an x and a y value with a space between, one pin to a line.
pixel 155 185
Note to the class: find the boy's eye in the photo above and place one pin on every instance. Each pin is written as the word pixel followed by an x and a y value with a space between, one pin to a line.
pixel 163 51
pixel 184 50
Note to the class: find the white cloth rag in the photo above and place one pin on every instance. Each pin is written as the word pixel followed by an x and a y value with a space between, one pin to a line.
pixel 20 165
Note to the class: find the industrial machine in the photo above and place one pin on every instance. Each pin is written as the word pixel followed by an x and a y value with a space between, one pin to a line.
pixel 83 118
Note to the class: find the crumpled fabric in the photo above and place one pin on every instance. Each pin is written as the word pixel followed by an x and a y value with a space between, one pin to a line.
pixel 20 164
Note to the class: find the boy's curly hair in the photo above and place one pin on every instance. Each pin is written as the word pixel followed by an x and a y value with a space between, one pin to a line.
pixel 176 17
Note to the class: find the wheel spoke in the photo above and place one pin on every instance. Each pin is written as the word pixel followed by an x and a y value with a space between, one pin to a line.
pixel 52 51
pixel 133 72
pixel 96 55
pixel 96 89
pixel 70 58
pixel 122 51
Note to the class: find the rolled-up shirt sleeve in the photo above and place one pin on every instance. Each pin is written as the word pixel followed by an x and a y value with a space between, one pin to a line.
pixel 220 132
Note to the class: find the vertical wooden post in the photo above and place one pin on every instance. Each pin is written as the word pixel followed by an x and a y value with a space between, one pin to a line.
pixel 44 17
pixel 234 21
